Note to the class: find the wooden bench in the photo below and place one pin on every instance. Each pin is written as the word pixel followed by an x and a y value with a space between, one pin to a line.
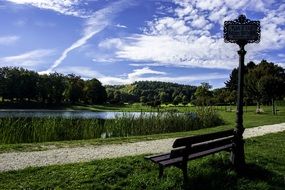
pixel 193 147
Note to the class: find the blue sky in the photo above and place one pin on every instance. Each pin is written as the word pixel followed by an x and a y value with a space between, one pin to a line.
pixel 122 41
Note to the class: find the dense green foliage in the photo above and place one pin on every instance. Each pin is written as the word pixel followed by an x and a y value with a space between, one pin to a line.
pixel 152 93
pixel 264 83
pixel 20 85
pixel 265 170
pixel 203 96
pixel 28 130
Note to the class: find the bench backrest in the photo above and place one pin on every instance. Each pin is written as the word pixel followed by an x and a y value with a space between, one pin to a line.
pixel 187 145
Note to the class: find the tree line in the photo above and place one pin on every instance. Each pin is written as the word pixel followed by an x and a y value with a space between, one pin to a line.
pixel 20 85
pixel 264 84
pixel 152 93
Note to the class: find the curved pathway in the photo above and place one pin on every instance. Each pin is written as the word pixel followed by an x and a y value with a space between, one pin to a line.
pixel 21 160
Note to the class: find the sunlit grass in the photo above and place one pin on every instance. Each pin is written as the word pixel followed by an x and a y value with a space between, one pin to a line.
pixel 265 158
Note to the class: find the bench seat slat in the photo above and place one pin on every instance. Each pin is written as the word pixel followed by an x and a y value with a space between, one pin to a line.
pixel 156 155
pixel 174 161
pixel 160 158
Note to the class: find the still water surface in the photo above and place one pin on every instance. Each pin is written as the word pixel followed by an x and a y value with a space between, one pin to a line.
pixel 67 114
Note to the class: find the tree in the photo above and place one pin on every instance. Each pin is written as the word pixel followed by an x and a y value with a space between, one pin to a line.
pixel 232 83
pixel 143 99
pixel 164 97
pixel 203 95
pixel 265 83
pixel 117 97
pixel 58 85
pixel 220 95
pixel 4 82
pixel 185 100
pixel 44 88
pixel 94 91
pixel 75 88
pixel 177 99
pixel 28 84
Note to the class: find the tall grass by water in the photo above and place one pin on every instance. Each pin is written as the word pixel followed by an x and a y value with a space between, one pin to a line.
pixel 29 130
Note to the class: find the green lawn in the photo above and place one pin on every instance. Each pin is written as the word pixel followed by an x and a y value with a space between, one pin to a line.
pixel 250 120
pixel 137 107
pixel 265 157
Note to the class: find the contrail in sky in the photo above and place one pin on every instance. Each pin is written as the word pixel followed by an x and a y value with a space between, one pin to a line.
pixel 96 23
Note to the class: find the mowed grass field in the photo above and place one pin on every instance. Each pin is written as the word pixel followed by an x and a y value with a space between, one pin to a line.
pixel 265 158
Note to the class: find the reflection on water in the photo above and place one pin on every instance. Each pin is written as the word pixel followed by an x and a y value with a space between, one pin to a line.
pixel 68 114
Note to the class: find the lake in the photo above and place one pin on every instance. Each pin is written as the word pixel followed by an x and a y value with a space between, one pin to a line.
pixel 67 114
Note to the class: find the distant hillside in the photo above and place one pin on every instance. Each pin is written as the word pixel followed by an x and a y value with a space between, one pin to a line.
pixel 146 91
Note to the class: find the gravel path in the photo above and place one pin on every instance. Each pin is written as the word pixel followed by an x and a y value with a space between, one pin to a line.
pixel 21 160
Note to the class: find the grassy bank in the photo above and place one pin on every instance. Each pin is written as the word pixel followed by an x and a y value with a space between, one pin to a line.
pixel 250 120
pixel 30 130
pixel 265 170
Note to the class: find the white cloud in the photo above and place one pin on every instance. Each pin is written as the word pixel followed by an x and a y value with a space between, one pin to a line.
pixel 28 60
pixel 66 7
pixel 104 59
pixel 200 22
pixel 140 72
pixel 139 75
pixel 84 72
pixel 111 43
pixel 281 64
pixel 120 26
pixel 281 55
pixel 8 40
pixel 202 52
pixel 176 79
pixel 186 39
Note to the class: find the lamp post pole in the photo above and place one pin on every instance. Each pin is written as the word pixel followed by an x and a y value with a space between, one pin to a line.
pixel 238 158
pixel 240 31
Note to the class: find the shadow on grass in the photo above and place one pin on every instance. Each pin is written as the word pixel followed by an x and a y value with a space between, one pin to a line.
pixel 220 175
pixel 212 173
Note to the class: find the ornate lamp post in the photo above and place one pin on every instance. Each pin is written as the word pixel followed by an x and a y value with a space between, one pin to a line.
pixel 240 31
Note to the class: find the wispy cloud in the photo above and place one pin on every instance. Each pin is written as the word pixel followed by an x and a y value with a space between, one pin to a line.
pixel 66 7
pixel 140 72
pixel 29 59
pixel 93 25
pixel 8 40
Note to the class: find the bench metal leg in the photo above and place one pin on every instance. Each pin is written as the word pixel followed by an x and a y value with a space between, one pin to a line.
pixel 183 167
pixel 185 173
pixel 161 168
